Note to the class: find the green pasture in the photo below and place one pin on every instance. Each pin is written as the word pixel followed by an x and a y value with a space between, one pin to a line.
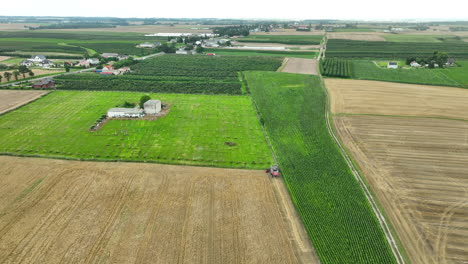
pixel 194 132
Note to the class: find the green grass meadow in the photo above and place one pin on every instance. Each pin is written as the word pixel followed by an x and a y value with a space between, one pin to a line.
pixel 194 132
pixel 453 76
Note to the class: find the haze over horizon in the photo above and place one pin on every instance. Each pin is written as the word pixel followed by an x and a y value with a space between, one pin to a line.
pixel 418 10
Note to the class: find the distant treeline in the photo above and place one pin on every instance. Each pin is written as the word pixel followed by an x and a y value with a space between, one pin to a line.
pixel 74 26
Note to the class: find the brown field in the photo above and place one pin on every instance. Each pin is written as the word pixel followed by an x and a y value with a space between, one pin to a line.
pixel 54 211
pixel 11 99
pixel 37 72
pixel 261 44
pixel 15 26
pixel 303 66
pixel 417 166
pixel 147 29
pixel 367 36
pixel 290 32
pixel 3 58
pixel 386 98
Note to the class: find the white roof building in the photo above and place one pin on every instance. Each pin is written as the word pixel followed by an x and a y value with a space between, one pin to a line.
pixel 415 64
pixel 392 65
pixel 152 106
pixel 124 112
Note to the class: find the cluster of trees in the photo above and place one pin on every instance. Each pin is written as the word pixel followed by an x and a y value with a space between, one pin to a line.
pixel 437 58
pixel 22 70
pixel 232 31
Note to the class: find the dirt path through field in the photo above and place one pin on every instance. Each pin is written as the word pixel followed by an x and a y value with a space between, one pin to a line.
pixel 11 99
pixel 54 211
pixel 302 66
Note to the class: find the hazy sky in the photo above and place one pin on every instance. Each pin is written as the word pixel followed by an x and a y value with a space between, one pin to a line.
pixel 293 9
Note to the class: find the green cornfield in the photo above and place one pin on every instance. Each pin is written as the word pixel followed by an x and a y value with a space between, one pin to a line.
pixel 330 201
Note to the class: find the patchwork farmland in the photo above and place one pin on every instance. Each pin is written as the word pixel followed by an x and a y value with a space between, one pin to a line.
pixel 410 141
pixel 11 99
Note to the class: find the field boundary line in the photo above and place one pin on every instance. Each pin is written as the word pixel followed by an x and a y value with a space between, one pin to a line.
pixel 382 115
pixel 375 208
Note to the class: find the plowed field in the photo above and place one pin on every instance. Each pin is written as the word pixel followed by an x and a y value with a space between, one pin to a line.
pixel 11 99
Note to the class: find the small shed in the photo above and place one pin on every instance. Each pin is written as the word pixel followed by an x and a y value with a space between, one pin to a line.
pixel 392 65
pixel 124 112
pixel 152 106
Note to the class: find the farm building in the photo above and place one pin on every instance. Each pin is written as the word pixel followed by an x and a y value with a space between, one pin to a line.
pixel 186 52
pixel 93 61
pixel 415 64
pixel 110 55
pixel 46 64
pixel 124 112
pixel 38 58
pixel 44 83
pixel 27 63
pixel 152 106
pixel 83 63
pixel 122 57
pixel 392 65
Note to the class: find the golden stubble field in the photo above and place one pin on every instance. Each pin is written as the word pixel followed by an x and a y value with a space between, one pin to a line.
pixel 54 211
pixel 11 99
pixel 417 165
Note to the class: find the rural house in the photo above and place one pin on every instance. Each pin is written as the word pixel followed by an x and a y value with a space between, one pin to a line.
pixel 93 61
pixel 109 55
pixel 152 106
pixel 122 57
pixel 415 64
pixel 123 70
pixel 124 112
pixel 46 64
pixel 27 63
pixel 392 65
pixel 38 58
pixel 186 52
pixel 148 45
pixel 83 63
pixel 44 83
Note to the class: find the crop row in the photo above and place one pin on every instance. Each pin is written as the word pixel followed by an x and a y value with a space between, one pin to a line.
pixel 336 68
pixel 330 201
pixel 392 50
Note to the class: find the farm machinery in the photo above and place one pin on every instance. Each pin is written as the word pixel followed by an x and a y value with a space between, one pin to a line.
pixel 274 171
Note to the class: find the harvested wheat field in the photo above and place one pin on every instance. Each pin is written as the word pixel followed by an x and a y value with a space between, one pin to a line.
pixel 303 66
pixel 387 98
pixel 416 164
pixel 419 171
pixel 11 99
pixel 54 211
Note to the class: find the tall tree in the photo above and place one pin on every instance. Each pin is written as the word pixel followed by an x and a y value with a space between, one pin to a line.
pixel 23 70
pixel 1 77
pixel 16 74
pixel 7 76
pixel 31 73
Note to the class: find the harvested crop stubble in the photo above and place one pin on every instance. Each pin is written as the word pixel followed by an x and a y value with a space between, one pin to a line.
pixel 386 98
pixel 68 212
pixel 11 99
pixel 418 168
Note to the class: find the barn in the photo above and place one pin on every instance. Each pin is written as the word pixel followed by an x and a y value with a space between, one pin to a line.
pixel 152 106
pixel 124 112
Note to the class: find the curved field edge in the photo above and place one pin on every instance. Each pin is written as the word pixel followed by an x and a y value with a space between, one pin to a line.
pixel 330 201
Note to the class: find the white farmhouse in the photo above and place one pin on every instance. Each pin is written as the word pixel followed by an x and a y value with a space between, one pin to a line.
pixel 152 106
pixel 124 112
pixel 38 58
pixel 93 61
pixel 392 65
pixel 415 64
pixel 147 45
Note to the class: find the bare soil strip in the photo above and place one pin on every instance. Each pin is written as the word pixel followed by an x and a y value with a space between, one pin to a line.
pixel 366 36
pixel 417 168
pixel 302 66
pixel 386 98
pixel 12 99
pixel 54 211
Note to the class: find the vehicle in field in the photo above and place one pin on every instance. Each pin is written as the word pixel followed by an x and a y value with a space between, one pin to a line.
pixel 274 171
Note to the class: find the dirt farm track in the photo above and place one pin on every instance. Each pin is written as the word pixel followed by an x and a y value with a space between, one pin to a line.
pixel 411 144
pixel 54 211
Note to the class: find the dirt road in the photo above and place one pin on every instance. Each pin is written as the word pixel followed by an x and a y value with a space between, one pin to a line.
pixel 302 66
pixel 55 211
pixel 11 99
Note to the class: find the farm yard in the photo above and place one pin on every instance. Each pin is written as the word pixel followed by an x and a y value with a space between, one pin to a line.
pixel 67 212
pixel 11 99
pixel 332 205
pixel 197 130
pixel 410 142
